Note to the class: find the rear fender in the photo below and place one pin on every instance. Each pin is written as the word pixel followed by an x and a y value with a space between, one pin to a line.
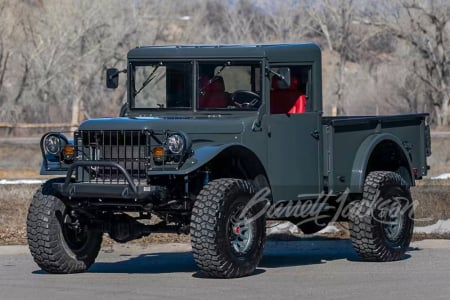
pixel 360 163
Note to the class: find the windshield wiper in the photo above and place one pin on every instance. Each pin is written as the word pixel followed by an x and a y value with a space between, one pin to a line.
pixel 147 81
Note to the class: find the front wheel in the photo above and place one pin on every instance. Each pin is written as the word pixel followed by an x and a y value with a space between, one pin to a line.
pixel 59 241
pixel 227 235
pixel 381 224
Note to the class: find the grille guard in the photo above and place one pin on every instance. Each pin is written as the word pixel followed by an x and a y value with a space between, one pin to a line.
pixel 129 190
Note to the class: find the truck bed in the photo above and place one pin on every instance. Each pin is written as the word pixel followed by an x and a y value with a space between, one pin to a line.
pixel 349 140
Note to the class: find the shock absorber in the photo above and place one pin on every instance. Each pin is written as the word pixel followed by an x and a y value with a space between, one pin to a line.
pixel 186 191
pixel 206 178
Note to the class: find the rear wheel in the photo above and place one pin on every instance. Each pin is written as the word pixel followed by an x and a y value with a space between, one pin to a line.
pixel 227 241
pixel 381 224
pixel 59 240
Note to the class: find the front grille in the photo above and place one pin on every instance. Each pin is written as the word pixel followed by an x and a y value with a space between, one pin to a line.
pixel 131 149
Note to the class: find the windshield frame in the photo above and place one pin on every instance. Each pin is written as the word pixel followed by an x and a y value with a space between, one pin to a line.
pixel 194 90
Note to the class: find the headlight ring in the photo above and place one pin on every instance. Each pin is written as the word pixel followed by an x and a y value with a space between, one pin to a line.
pixel 176 143
pixel 53 143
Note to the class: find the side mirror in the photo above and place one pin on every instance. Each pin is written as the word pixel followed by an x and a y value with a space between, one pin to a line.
pixel 284 78
pixel 112 78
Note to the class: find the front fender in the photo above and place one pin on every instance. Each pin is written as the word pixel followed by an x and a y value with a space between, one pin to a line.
pixel 201 157
pixel 205 154
pixel 365 150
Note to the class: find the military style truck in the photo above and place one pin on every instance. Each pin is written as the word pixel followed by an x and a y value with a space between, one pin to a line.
pixel 213 141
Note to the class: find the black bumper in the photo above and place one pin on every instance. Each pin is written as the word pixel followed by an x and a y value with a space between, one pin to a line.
pixel 126 190
pixel 106 191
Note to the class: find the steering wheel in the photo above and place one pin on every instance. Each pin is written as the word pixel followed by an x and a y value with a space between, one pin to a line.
pixel 246 99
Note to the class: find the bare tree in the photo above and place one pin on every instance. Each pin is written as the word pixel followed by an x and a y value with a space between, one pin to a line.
pixel 14 64
pixel 4 53
pixel 424 27
pixel 286 22
pixel 333 20
pixel 53 53
pixel 239 22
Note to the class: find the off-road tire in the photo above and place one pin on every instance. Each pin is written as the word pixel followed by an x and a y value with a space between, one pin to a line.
pixel 367 219
pixel 210 229
pixel 46 240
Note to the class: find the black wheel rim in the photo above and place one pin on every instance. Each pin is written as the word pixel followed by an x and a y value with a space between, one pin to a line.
pixel 393 228
pixel 75 233
pixel 392 215
pixel 241 232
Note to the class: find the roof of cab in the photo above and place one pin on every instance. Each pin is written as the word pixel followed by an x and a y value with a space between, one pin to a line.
pixel 273 52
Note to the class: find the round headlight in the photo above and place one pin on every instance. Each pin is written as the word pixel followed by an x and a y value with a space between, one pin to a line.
pixel 175 143
pixel 53 144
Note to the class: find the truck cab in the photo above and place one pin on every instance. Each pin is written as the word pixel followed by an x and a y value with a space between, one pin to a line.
pixel 214 140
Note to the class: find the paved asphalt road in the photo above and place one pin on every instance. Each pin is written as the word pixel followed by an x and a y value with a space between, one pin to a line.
pixel 314 269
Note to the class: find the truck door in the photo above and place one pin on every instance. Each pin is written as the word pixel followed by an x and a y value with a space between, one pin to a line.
pixel 294 131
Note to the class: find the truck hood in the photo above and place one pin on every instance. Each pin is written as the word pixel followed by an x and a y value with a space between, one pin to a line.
pixel 189 125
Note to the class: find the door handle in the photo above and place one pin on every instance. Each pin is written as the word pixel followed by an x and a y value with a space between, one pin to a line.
pixel 315 134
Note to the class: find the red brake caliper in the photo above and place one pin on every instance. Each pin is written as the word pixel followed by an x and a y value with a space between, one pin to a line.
pixel 237 230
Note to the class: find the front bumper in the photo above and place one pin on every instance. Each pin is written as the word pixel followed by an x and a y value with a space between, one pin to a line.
pixel 126 189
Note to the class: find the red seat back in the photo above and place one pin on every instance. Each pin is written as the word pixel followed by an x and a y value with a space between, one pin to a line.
pixel 212 93
pixel 287 101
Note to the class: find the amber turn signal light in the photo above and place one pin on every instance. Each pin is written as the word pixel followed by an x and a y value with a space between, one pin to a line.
pixel 158 153
pixel 68 152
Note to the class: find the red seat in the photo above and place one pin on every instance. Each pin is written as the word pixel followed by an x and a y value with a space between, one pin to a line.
pixel 299 106
pixel 287 101
pixel 212 93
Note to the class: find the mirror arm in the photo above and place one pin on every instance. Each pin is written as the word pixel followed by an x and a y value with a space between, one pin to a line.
pixel 279 76
pixel 117 73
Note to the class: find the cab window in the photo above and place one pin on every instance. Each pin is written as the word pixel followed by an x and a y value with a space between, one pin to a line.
pixel 229 85
pixel 292 98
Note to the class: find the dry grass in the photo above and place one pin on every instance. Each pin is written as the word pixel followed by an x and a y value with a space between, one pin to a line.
pixel 432 198
pixel 20 157
pixel 14 203
pixel 20 174
pixel 432 201
pixel 440 157
pixel 23 161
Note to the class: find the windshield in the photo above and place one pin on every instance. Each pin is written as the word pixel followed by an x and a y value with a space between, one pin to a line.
pixel 221 85
pixel 162 85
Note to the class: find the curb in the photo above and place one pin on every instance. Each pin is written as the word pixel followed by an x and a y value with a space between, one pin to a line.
pixel 185 247
pixel 432 244
pixel 14 250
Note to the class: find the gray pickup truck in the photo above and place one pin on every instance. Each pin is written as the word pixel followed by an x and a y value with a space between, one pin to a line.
pixel 213 141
